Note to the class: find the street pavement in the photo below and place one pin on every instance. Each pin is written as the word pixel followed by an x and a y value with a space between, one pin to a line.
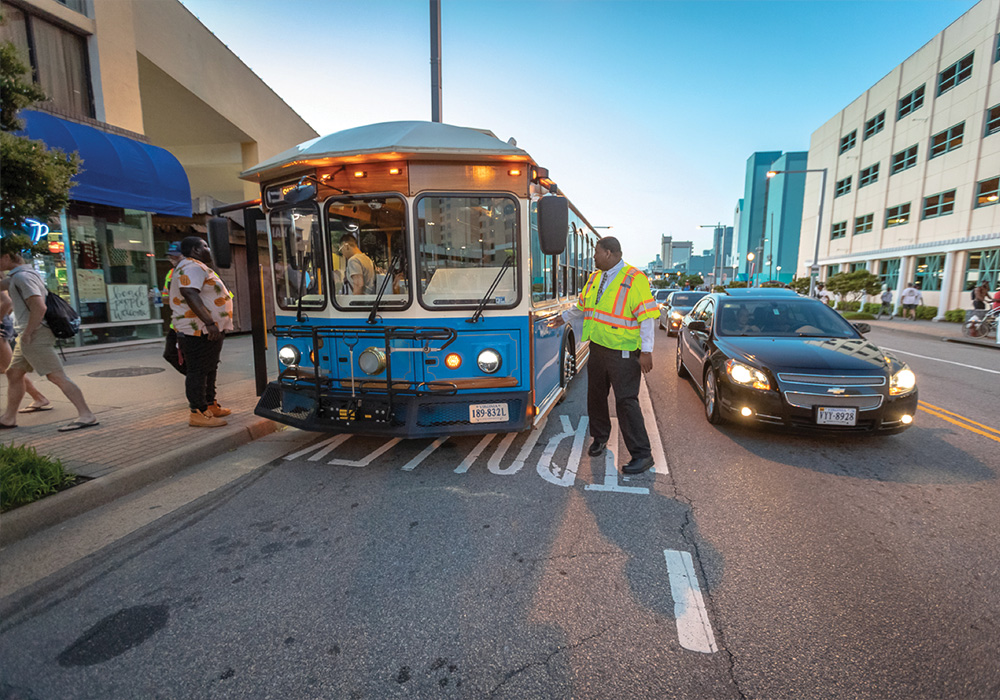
pixel 143 434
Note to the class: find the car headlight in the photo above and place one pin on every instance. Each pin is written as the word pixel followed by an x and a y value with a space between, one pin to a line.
pixel 289 356
pixel 746 375
pixel 489 361
pixel 372 361
pixel 676 316
pixel 902 382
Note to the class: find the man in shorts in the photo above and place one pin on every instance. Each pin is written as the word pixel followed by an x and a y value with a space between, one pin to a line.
pixel 7 336
pixel 35 348
pixel 910 299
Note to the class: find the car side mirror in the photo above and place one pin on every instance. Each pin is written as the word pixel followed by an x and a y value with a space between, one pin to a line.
pixel 698 326
pixel 862 328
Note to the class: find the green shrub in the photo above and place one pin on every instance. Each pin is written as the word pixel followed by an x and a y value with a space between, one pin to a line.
pixel 26 476
pixel 848 305
pixel 955 316
pixel 857 316
pixel 871 308
pixel 926 313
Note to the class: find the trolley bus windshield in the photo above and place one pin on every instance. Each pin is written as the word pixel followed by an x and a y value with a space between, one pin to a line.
pixel 462 244
pixel 297 257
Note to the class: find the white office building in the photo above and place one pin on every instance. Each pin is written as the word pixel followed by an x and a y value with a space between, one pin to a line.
pixel 913 171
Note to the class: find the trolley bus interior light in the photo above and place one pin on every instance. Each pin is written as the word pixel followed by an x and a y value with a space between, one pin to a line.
pixel 453 361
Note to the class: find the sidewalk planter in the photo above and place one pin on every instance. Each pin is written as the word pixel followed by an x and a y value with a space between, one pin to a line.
pixel 26 476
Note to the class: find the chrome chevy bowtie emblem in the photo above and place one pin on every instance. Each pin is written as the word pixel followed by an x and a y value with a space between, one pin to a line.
pixel 836 390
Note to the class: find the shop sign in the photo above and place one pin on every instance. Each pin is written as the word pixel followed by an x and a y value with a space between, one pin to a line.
pixel 128 302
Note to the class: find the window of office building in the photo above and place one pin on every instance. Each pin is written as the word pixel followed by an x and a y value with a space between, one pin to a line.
pixel 57 58
pixel 898 215
pixel 868 176
pixel 904 160
pixel 982 266
pixel 874 125
pixel 947 140
pixel 856 267
pixel 992 120
pixel 988 192
pixel 843 187
pixel 838 230
pixel 911 103
pixel 863 224
pixel 939 204
pixel 957 72
pixel 847 142
pixel 929 271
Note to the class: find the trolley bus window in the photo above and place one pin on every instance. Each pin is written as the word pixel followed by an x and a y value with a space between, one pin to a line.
pixel 462 244
pixel 368 248
pixel 296 255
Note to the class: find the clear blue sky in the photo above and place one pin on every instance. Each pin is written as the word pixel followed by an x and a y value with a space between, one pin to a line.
pixel 644 112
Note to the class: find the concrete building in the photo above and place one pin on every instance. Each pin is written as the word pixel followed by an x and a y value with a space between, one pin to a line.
pixel 751 220
pixel 680 253
pixel 163 114
pixel 779 254
pixel 914 170
pixel 666 252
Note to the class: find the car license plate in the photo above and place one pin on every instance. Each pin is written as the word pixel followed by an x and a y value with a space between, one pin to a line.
pixel 836 416
pixel 488 413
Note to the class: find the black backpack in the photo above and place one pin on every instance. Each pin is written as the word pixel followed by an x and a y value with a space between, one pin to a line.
pixel 61 318
pixel 973 294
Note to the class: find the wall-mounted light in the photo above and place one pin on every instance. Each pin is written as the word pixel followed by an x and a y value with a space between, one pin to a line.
pixel 394 171
pixel 360 173
pixel 514 172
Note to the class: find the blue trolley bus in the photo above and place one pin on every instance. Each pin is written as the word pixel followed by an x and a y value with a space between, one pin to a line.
pixel 418 268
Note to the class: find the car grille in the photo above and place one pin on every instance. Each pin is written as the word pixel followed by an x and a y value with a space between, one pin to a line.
pixel 830 380
pixel 864 402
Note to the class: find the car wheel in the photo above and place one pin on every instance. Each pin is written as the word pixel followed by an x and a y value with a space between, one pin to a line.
pixel 710 393
pixel 681 369
pixel 567 365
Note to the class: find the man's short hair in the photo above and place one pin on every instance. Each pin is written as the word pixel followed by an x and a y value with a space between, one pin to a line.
pixel 611 244
pixel 189 244
pixel 349 238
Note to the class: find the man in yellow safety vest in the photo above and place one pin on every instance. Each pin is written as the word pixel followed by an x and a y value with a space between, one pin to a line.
pixel 618 311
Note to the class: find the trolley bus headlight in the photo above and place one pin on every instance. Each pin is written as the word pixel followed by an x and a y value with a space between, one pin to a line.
pixel 489 361
pixel 289 356
pixel 372 361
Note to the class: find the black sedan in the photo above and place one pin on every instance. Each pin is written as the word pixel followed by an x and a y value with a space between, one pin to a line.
pixel 677 306
pixel 767 358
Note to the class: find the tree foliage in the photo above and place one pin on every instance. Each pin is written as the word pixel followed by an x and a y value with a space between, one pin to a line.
pixel 800 285
pixel 854 285
pixel 34 180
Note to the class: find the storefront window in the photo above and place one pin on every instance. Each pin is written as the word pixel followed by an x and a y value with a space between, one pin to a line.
pixel 112 267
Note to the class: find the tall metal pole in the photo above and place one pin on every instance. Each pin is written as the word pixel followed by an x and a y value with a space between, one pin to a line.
pixel 763 235
pixel 436 60
pixel 814 269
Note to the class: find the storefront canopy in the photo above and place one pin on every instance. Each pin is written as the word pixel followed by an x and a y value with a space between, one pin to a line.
pixel 116 171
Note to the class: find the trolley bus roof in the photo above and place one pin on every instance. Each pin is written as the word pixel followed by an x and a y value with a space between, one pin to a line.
pixel 430 140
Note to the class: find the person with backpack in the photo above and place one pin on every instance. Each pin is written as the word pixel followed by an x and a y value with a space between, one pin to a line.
pixel 35 348
pixel 980 295
pixel 886 299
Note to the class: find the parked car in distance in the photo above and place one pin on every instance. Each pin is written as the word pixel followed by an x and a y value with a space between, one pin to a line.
pixel 766 357
pixel 677 306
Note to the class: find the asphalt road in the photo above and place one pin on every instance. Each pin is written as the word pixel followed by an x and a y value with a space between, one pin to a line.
pixel 762 565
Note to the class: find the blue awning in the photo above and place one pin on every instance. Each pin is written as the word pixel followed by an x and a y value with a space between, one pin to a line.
pixel 116 171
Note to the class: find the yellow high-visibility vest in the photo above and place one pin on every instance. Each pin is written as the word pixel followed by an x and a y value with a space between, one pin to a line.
pixel 613 320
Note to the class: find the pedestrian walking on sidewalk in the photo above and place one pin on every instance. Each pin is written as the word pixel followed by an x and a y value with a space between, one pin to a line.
pixel 202 311
pixel 35 349
pixel 910 299
pixel 886 304
pixel 7 337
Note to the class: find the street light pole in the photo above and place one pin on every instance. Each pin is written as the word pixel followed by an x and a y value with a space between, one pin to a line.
pixel 814 268
pixel 719 238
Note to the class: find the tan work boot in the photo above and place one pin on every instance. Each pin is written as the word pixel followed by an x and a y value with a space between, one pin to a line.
pixel 204 419
pixel 216 410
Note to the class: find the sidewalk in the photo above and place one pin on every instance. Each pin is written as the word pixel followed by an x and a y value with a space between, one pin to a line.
pixel 947 332
pixel 143 434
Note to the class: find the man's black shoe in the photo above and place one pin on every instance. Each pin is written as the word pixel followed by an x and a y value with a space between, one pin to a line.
pixel 638 465
pixel 596 448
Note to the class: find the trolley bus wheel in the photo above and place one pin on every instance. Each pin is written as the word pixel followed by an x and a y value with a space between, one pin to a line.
pixel 567 360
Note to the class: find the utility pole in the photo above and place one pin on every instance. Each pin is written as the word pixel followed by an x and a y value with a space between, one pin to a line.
pixel 436 61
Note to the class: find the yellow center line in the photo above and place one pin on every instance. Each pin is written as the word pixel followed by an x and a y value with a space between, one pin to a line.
pixel 943 417
pixel 924 404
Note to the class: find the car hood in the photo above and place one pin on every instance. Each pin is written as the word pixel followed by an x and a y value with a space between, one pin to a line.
pixel 820 354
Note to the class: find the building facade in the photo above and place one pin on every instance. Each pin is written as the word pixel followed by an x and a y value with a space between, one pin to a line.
pixel 751 219
pixel 913 171
pixel 162 114
pixel 779 253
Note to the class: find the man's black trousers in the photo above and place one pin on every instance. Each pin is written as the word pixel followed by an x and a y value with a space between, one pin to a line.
pixel 607 368
pixel 201 356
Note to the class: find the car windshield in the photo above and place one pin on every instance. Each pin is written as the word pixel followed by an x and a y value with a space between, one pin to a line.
pixel 662 294
pixel 686 298
pixel 803 318
pixel 462 244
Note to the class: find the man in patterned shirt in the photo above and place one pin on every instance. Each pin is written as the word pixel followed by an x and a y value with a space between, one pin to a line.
pixel 202 311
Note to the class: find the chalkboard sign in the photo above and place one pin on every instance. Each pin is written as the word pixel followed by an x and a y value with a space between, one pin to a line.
pixel 128 302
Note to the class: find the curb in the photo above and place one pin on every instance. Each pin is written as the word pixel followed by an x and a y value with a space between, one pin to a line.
pixel 52 510
pixel 970 341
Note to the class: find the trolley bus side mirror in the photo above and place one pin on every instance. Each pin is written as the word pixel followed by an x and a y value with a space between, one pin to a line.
pixel 218 241
pixel 553 224
pixel 300 193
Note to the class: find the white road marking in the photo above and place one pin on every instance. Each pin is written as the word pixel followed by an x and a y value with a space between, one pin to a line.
pixel 694 631
pixel 611 471
pixel 370 457
pixel 498 454
pixel 472 456
pixel 938 359
pixel 334 444
pixel 336 438
pixel 415 462
pixel 653 430
pixel 568 475
pixel 523 455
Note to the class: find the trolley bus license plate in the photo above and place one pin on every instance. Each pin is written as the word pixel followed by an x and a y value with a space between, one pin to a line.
pixel 488 413
pixel 836 416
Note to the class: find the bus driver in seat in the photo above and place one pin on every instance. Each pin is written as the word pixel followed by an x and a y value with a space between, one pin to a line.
pixel 360 274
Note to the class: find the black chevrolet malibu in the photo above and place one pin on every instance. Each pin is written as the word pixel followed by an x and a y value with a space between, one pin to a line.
pixel 770 356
